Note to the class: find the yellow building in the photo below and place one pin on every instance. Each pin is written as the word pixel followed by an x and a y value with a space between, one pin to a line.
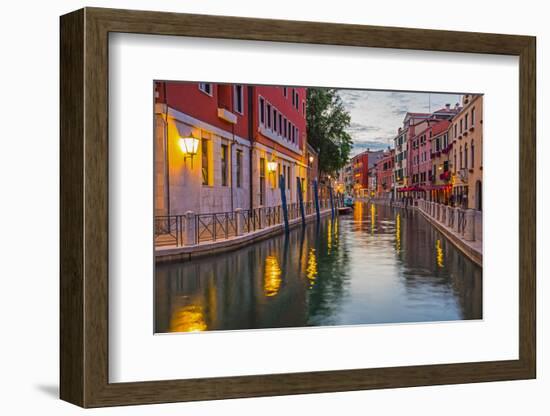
pixel 467 163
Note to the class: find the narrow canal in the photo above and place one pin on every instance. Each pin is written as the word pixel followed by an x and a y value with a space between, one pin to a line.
pixel 376 265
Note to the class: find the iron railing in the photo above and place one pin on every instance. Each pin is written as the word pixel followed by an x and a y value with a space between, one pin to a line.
pixel 170 230
pixel 212 227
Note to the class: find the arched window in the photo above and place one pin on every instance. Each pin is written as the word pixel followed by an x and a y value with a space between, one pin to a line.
pixel 472 152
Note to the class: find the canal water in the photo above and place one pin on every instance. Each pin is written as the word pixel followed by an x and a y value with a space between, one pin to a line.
pixel 376 265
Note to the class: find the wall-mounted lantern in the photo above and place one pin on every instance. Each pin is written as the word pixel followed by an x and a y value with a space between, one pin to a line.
pixel 189 145
pixel 311 159
pixel 271 166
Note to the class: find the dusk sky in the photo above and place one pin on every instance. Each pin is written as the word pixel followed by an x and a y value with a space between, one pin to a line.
pixel 376 115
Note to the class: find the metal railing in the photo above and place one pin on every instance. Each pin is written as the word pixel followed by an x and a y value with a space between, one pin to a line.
pixel 172 230
pixel 210 227
pixel 168 230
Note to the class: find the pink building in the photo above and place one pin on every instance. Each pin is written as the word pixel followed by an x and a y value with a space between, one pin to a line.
pixel 421 156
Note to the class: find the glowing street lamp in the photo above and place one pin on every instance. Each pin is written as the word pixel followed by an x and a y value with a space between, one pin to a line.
pixel 189 145
pixel 271 166
pixel 311 159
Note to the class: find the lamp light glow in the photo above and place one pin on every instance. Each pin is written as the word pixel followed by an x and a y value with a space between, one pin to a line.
pixel 189 145
pixel 272 166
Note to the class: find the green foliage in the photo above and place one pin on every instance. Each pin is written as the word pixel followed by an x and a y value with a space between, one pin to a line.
pixel 327 120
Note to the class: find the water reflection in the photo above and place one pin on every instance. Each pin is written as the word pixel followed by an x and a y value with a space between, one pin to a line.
pixel 272 276
pixel 376 265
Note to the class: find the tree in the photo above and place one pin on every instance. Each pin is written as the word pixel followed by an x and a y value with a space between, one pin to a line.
pixel 327 120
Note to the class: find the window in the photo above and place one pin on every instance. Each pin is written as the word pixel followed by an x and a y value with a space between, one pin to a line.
pixel 297 135
pixel 206 88
pixel 275 120
pixel 238 99
pixel 262 111
pixel 472 153
pixel 454 162
pixel 280 124
pixel 293 98
pixel 224 164
pixel 466 122
pixel 204 162
pixel 304 108
pixel 285 128
pixel 466 156
pixel 262 181
pixel 455 131
pixel 461 159
pixel 239 168
pixel 268 115
pixel 290 131
pixel 288 181
pixel 285 93
pixel 460 126
pixel 473 116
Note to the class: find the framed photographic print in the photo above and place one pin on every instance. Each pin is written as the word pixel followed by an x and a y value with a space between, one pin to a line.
pixel 255 207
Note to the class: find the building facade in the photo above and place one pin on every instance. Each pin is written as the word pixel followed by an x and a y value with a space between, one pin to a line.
pixel 467 144
pixel 384 175
pixel 361 164
pixel 440 173
pixel 246 138
pixel 402 146
pixel 412 151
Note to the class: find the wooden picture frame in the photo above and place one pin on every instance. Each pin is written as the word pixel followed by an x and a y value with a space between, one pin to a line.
pixel 84 207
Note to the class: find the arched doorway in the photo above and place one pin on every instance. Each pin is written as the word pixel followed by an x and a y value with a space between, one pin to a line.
pixel 478 195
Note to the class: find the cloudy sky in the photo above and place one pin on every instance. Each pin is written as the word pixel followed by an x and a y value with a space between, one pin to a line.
pixel 376 115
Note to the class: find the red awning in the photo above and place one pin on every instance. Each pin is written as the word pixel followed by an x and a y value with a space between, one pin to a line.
pixel 439 187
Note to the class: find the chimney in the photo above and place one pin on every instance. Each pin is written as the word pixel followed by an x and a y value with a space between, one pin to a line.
pixel 448 106
pixel 457 105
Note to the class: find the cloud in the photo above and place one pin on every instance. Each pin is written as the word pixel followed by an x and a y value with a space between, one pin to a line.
pixel 361 128
pixel 376 115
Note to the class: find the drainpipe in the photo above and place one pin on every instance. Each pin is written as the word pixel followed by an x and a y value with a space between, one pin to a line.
pixel 231 165
pixel 251 140
pixel 166 151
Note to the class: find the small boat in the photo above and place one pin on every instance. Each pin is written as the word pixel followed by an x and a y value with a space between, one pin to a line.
pixel 344 210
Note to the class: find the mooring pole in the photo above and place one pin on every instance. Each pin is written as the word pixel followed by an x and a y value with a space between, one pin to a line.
pixel 301 200
pixel 316 196
pixel 331 201
pixel 283 201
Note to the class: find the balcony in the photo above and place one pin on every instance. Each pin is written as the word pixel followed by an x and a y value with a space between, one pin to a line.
pixel 227 115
